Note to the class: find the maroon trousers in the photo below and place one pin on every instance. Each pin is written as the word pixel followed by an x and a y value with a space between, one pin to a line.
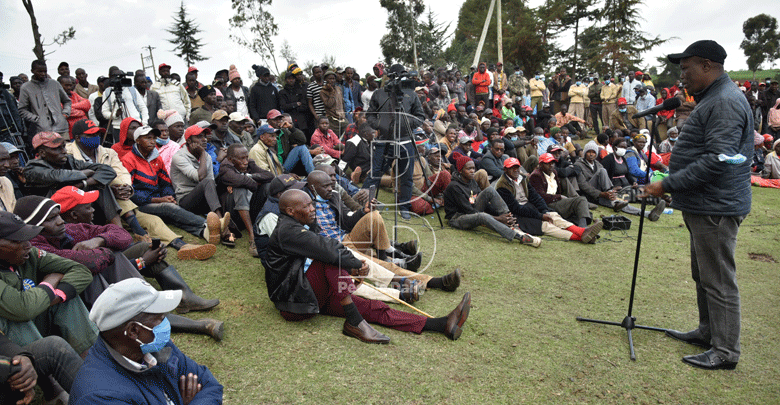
pixel 438 184
pixel 332 284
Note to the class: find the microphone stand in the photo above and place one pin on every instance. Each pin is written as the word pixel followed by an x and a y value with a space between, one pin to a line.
pixel 629 322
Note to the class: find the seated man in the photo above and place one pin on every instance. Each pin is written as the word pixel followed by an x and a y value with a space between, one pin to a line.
pixel 220 137
pixel 467 206
pixel 531 212
pixel 108 254
pixel 134 360
pixel 622 117
pixel 264 152
pixel 772 162
pixel 325 137
pixel 361 230
pixel 354 201
pixel 547 183
pixel 154 191
pixel 428 186
pixel 54 169
pixel 40 290
pixel 15 171
pixel 594 182
pixel 240 186
pixel 192 175
pixel 237 127
pixel 296 250
pixel 293 142
pixel 25 367
pixel 7 196
pixel 493 161
pixel 357 153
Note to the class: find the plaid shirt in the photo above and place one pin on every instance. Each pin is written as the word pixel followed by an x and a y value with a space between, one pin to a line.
pixel 327 221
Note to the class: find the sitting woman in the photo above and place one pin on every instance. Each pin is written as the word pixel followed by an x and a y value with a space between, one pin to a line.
pixel 637 160
pixel 772 163
pixel 624 183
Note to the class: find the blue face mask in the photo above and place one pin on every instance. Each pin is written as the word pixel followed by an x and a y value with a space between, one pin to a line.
pixel 673 139
pixel 537 77
pixel 90 142
pixel 622 109
pixel 162 142
pixel 579 83
pixel 162 335
pixel 514 138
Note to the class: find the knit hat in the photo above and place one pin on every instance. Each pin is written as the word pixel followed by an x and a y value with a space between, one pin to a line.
pixel 170 117
pixel 233 73
pixel 451 107
pixel 460 160
pixel 554 130
pixel 758 139
pixel 34 209
pixel 590 146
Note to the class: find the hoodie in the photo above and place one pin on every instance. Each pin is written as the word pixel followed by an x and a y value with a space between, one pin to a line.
pixel 120 148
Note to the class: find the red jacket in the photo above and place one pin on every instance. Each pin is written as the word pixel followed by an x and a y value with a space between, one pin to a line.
pixel 79 108
pixel 117 239
pixel 481 81
pixel 327 142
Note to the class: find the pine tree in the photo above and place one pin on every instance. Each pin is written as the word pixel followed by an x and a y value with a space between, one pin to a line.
pixel 184 31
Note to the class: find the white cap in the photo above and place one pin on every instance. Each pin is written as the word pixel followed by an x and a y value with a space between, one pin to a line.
pixel 145 130
pixel 237 117
pixel 122 301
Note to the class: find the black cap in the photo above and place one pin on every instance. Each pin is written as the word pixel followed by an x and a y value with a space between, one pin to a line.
pixel 86 127
pixel 283 182
pixel 204 91
pixel 13 228
pixel 706 49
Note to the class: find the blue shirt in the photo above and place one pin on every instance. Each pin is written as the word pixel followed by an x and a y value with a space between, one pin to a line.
pixel 326 218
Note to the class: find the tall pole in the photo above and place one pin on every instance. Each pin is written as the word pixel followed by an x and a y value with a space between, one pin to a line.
pixel 499 30
pixel 414 41
pixel 484 33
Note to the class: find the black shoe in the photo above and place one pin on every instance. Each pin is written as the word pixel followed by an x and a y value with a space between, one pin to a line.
pixel 397 254
pixel 709 360
pixel 655 214
pixel 451 282
pixel 408 248
pixel 693 337
pixel 365 333
pixel 413 262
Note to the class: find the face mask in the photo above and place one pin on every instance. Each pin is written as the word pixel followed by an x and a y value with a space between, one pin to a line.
pixel 673 139
pixel 162 142
pixel 317 196
pixel 537 77
pixel 579 83
pixel 514 138
pixel 90 142
pixel 622 109
pixel 620 152
pixel 517 73
pixel 162 335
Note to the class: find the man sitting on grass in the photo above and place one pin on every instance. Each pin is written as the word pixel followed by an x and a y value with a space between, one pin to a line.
pixel 296 250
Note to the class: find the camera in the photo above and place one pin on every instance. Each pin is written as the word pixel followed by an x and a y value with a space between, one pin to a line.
pixel 120 79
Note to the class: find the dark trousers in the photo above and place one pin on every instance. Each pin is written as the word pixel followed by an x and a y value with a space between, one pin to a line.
pixel 53 356
pixel 204 192
pixel 382 158
pixel 595 115
pixel 332 284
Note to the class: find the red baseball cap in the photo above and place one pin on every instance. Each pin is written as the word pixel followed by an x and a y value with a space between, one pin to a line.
pixel 511 162
pixel 192 69
pixel 86 127
pixel 638 73
pixel 196 130
pixel 547 158
pixel 69 197
pixel 50 139
pixel 622 101
pixel 162 65
pixel 273 114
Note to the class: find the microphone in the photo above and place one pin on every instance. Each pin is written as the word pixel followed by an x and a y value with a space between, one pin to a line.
pixel 668 104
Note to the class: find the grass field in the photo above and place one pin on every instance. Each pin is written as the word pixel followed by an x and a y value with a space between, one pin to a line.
pixel 521 343
pixel 759 76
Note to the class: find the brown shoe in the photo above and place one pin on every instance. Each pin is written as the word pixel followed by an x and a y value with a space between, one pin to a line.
pixel 590 233
pixel 619 205
pixel 457 318
pixel 451 282
pixel 196 252
pixel 142 238
pixel 213 228
pixel 365 333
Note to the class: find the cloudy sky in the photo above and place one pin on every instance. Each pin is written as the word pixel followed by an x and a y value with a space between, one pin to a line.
pixel 113 32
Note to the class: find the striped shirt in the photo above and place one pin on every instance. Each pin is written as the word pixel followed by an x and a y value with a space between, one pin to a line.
pixel 313 92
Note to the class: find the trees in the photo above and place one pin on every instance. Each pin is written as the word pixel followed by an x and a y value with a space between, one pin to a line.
pixel 406 30
pixel 184 31
pixel 252 14
pixel 60 39
pixel 762 41
pixel 564 15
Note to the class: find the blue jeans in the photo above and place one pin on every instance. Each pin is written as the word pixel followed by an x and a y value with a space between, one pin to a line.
pixel 382 158
pixel 347 185
pixel 179 217
pixel 299 154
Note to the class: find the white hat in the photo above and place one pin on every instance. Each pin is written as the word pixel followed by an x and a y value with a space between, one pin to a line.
pixel 145 130
pixel 237 117
pixel 122 301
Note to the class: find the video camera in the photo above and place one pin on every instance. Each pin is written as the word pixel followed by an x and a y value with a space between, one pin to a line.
pixel 120 79
pixel 399 82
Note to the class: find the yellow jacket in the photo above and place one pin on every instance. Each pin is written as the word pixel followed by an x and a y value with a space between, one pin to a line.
pixel 609 93
pixel 577 94
pixel 537 87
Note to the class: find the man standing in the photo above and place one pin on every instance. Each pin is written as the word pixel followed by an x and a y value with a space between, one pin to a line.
pixel 83 87
pixel 609 96
pixel 714 197
pixel 150 97
pixel 43 103
pixel 263 96
pixel 594 94
pixel 173 96
pixel 316 107
pixel 537 87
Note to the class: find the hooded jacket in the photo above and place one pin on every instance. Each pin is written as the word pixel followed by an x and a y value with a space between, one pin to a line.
pixel 120 148
pixel 150 179
pixel 381 115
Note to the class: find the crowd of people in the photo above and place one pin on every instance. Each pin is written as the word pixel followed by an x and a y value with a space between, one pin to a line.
pixel 92 174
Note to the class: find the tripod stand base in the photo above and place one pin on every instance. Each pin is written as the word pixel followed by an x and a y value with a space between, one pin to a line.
pixel 628 324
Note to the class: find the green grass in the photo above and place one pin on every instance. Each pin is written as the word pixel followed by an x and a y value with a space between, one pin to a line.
pixel 521 343
pixel 759 76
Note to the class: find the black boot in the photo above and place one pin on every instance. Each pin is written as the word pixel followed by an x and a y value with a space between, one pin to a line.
pixel 170 279
pixel 208 327
pixel 408 248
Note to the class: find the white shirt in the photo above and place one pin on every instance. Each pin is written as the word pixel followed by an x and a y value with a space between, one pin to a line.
pixel 241 105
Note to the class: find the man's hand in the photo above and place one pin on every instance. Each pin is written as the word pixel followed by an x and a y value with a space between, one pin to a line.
pixel 122 191
pixel 547 217
pixel 24 380
pixel 609 195
pixel 316 151
pixel 189 387
pixel 53 279
pixel 370 206
pixel 221 154
pixel 362 271
pixel 655 188
pixel 505 218
pixel 166 199
pixel 88 172
pixel 154 255
pixel 90 244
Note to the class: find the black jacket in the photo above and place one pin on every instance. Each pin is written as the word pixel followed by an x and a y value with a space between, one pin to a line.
pixel 289 97
pixel 457 197
pixel 262 98
pixel 380 116
pixel 43 179
pixel 289 246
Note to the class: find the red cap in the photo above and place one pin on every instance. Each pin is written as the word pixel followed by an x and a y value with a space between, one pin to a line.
pixel 547 158
pixel 86 127
pixel 162 65
pixel 192 69
pixel 638 73
pixel 195 130
pixel 273 114
pixel 69 197
pixel 511 162
pixel 50 139
pixel 622 100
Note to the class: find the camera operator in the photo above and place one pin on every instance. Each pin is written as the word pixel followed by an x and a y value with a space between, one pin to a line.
pixel 10 121
pixel 383 118
pixel 134 104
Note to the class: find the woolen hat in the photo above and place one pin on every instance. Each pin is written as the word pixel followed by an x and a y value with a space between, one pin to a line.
pixel 460 160
pixel 590 146
pixel 123 301
pixel 706 49
pixel 34 209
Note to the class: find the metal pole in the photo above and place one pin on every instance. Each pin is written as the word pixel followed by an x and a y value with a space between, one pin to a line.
pixel 414 41
pixel 484 33
pixel 499 30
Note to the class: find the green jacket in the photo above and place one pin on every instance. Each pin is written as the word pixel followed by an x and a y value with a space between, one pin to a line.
pixel 19 305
